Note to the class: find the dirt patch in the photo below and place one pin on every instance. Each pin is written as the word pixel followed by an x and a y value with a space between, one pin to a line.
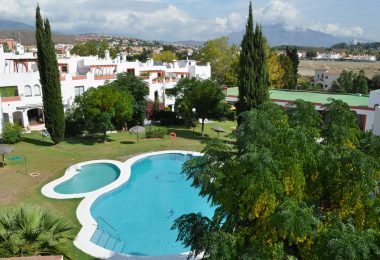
pixel 307 67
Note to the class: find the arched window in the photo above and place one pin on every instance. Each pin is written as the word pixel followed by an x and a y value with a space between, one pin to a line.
pixel 98 72
pixel 37 90
pixel 27 91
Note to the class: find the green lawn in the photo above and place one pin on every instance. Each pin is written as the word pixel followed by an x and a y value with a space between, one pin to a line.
pixel 50 161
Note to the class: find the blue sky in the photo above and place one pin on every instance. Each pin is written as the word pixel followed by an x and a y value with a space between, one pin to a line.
pixel 199 19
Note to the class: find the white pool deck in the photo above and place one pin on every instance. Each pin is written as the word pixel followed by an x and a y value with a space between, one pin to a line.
pixel 89 225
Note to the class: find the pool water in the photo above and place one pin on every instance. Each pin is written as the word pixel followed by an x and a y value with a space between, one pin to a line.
pixel 89 178
pixel 143 210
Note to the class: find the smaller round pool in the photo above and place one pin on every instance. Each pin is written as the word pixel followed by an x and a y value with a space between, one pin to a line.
pixel 89 178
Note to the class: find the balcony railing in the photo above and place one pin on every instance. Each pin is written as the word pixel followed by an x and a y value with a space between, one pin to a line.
pixel 79 77
pixel 104 77
pixel 11 99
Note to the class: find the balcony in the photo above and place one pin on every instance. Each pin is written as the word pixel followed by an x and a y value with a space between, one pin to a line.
pixel 104 77
pixel 11 99
pixel 79 77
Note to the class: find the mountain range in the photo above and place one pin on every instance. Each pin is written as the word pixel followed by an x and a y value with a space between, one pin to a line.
pixel 25 33
pixel 276 35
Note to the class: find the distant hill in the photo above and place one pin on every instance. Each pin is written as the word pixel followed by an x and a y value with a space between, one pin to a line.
pixel 189 43
pixel 277 35
pixel 6 24
pixel 27 37
pixel 12 29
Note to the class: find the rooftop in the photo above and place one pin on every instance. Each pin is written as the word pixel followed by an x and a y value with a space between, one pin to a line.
pixel 314 97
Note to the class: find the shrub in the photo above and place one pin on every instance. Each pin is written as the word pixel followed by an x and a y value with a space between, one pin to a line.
pixel 11 133
pixel 168 118
pixel 73 126
pixel 155 131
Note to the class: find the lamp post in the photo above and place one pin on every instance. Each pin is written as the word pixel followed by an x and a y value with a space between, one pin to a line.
pixel 163 93
pixel 194 111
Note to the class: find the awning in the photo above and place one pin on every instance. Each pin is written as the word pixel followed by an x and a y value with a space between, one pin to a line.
pixel 30 106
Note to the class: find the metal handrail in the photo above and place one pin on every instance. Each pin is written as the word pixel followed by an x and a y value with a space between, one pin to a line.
pixel 114 229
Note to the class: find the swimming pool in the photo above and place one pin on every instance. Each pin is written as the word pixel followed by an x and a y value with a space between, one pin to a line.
pixel 134 213
pixel 83 178
pixel 89 178
pixel 136 218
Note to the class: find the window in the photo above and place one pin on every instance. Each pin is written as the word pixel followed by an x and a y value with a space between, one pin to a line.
pixel 79 90
pixel 37 90
pixel 326 86
pixel 156 95
pixel 27 91
pixel 326 77
pixel 64 68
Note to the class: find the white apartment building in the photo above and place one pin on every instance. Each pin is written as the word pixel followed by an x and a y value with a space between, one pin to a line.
pixel 21 100
pixel 325 76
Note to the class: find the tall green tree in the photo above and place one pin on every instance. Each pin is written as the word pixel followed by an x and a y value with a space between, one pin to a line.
pixel 93 48
pixel 132 85
pixel 224 60
pixel 103 109
pixel 287 67
pixel 253 76
pixel 293 55
pixel 375 82
pixel 31 231
pixel 206 96
pixel 350 82
pixel 275 70
pixel 50 80
pixel 360 84
pixel 165 56
pixel 279 194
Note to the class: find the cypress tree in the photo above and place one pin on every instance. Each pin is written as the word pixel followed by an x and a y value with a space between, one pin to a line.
pixel 253 77
pixel 293 55
pixel 50 80
pixel 261 68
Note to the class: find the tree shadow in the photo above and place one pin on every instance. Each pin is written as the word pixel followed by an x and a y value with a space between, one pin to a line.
pixel 88 140
pixel 37 142
pixel 189 134
pixel 127 142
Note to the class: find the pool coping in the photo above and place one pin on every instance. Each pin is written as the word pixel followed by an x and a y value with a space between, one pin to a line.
pixel 48 189
pixel 89 224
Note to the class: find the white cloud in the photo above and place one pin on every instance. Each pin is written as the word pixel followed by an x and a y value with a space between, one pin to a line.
pixel 338 30
pixel 159 19
pixel 279 11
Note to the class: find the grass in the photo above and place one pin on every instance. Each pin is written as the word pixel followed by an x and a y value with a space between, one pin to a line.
pixel 50 161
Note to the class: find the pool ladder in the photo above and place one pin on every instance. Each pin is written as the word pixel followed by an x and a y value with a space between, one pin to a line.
pixel 75 167
pixel 108 238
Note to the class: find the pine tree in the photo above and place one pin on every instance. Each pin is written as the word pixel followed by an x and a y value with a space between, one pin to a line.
pixel 253 78
pixel 50 80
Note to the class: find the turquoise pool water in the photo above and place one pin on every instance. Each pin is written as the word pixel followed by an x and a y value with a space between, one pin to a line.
pixel 143 210
pixel 90 177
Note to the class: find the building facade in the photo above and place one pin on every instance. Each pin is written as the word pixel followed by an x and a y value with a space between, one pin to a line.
pixel 326 76
pixel 366 107
pixel 21 93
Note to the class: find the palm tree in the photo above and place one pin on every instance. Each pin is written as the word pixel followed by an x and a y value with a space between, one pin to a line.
pixel 28 230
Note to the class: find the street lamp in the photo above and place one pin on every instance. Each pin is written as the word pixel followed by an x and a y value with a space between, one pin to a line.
pixel 163 93
pixel 194 111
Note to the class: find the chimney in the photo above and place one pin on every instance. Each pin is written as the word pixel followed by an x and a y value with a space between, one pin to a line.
pixel 107 55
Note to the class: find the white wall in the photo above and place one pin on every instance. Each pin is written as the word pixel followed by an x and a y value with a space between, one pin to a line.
pixel 376 121
pixel 81 72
